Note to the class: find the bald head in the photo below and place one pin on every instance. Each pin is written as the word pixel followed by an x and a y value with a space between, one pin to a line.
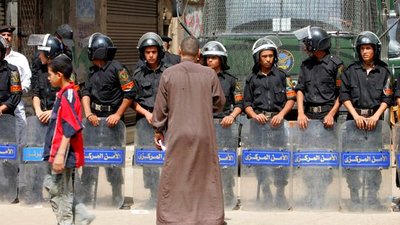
pixel 190 47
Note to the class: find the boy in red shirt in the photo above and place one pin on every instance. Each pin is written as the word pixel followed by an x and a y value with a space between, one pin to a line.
pixel 63 147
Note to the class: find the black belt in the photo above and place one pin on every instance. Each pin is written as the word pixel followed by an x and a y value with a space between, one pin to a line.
pixel 366 112
pixel 268 114
pixel 101 108
pixel 318 109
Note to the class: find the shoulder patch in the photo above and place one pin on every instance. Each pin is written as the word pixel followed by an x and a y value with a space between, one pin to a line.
pixel 123 75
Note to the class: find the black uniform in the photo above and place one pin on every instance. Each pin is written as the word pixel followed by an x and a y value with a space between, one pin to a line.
pixel 10 86
pixel 234 98
pixel 366 93
pixel 10 95
pixel 41 86
pixel 106 87
pixel 232 91
pixel 319 80
pixel 268 94
pixel 171 59
pixel 146 87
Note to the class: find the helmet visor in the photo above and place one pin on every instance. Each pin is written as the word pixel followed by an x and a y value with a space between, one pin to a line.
pixel 303 33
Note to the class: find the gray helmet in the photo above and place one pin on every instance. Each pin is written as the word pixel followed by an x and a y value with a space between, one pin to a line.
pixel 266 43
pixel 314 38
pixel 367 37
pixel 101 47
pixel 51 46
pixel 215 48
pixel 150 39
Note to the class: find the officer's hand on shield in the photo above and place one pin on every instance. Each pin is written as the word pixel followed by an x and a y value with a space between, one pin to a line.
pixel 93 119
pixel 44 117
pixel 371 122
pixel 302 120
pixel 158 139
pixel 113 119
pixel 261 118
pixel 149 117
pixel 360 122
pixel 276 120
pixel 227 121
pixel 328 121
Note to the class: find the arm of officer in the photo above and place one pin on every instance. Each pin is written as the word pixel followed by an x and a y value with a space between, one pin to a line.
pixel 15 93
pixel 113 119
pixel 345 99
pixel 277 119
pixel 127 85
pixel 237 97
pixel 248 100
pixel 359 120
pixel 329 118
pixel 138 108
pixel 91 117
pixel 302 119
pixel 43 116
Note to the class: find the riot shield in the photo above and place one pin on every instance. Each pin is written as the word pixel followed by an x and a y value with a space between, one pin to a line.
pixel 396 144
pixel 227 142
pixel 8 159
pixel 32 160
pixel 366 181
pixel 266 158
pixel 316 167
pixel 147 166
pixel 104 148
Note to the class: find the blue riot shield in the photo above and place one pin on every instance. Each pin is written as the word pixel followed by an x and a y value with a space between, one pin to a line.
pixel 365 164
pixel 265 160
pixel 316 167
pixel 104 148
pixel 8 159
pixel 147 166
pixel 227 142
pixel 32 160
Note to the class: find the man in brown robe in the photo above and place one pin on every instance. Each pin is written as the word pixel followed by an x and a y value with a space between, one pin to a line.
pixel 190 190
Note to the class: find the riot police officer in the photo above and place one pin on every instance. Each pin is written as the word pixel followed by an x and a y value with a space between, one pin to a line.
pixel 366 92
pixel 147 78
pixel 319 80
pixel 317 98
pixel 107 93
pixel 43 94
pixel 268 97
pixel 10 96
pixel 215 57
pixel 10 83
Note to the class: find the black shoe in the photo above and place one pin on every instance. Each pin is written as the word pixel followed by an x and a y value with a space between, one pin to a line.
pixel 15 201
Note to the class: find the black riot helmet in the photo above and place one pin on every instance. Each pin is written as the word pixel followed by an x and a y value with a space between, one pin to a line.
pixel 215 48
pixel 314 38
pixel 51 46
pixel 3 47
pixel 150 39
pixel 101 47
pixel 369 38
